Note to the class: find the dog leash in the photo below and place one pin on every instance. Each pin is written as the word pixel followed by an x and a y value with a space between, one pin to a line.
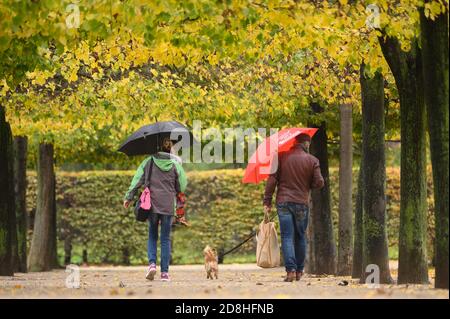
pixel 243 242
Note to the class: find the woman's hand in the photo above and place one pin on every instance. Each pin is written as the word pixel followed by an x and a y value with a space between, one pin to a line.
pixel 126 204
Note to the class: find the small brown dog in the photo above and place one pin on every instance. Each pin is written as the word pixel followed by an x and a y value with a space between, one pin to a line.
pixel 211 262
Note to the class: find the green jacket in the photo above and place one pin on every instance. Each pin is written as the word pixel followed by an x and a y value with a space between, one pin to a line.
pixel 165 162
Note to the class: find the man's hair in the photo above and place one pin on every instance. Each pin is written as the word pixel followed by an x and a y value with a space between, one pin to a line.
pixel 303 138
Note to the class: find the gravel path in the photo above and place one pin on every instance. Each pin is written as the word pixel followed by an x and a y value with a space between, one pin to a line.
pixel 189 281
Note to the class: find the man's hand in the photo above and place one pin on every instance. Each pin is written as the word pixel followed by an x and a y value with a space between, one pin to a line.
pixel 126 204
pixel 267 210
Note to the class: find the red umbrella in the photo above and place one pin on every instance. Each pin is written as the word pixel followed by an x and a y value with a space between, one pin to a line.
pixel 258 168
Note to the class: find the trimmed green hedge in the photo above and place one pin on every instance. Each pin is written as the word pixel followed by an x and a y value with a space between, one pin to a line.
pixel 221 209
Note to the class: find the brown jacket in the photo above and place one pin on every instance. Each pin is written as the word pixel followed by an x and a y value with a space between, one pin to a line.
pixel 298 172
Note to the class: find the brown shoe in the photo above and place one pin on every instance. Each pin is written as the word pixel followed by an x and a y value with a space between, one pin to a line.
pixel 298 275
pixel 290 276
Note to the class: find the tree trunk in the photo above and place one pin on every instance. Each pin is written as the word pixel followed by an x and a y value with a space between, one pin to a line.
pixel 20 188
pixel 435 70
pixel 345 192
pixel 126 256
pixel 220 256
pixel 42 245
pixel 407 70
pixel 12 205
pixel 85 256
pixel 375 247
pixel 67 250
pixel 53 232
pixel 310 256
pixel 358 240
pixel 324 245
pixel 7 211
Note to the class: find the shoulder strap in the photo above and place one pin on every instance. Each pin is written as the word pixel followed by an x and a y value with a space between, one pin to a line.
pixel 148 173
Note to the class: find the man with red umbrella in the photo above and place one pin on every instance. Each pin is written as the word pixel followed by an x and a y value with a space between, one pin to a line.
pixel 297 173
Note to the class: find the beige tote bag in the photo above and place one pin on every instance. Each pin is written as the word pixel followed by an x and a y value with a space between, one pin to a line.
pixel 267 248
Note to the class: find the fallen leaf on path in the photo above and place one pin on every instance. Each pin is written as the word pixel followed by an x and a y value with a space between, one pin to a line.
pixel 282 296
pixel 382 291
pixel 371 294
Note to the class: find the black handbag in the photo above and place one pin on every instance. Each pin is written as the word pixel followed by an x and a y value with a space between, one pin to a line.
pixel 140 213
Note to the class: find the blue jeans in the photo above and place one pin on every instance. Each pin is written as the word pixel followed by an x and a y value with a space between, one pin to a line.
pixel 166 226
pixel 293 223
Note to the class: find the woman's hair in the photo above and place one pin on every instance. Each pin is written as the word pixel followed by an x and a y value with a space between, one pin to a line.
pixel 165 144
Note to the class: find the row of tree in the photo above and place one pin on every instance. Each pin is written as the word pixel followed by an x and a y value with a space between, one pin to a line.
pixel 14 216
pixel 421 76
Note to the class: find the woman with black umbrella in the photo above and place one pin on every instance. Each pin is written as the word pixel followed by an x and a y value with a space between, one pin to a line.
pixel 167 184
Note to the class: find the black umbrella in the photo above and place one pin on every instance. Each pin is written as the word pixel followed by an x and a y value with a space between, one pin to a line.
pixel 147 139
